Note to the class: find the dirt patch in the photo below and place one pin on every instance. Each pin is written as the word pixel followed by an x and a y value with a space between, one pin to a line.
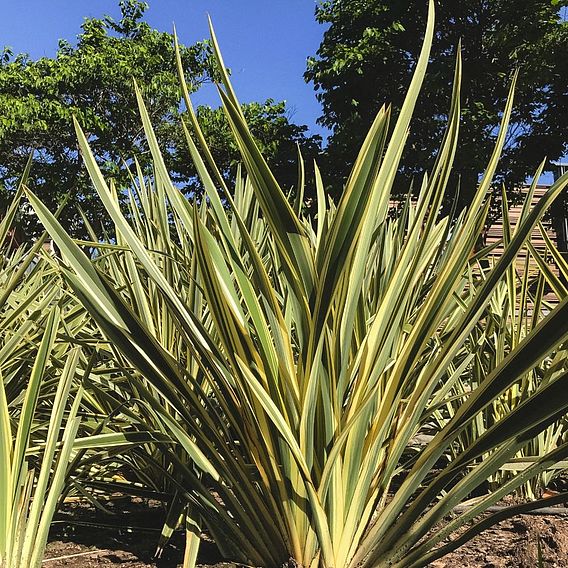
pixel 86 538
pixel 125 534
pixel 514 544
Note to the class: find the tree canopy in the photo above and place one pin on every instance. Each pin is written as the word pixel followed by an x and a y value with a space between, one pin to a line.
pixel 93 80
pixel 369 51
pixel 276 135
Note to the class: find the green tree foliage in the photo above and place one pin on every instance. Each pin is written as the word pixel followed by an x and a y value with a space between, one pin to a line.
pixel 93 80
pixel 371 46
pixel 278 139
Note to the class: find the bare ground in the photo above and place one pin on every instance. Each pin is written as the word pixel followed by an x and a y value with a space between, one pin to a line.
pixel 130 539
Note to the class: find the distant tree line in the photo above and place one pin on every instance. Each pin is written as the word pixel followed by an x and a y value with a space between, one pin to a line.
pixel 367 56
pixel 365 59
pixel 93 80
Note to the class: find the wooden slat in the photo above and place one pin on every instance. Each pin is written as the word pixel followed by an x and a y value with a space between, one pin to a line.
pixel 495 233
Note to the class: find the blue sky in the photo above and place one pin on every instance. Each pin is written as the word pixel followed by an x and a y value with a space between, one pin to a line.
pixel 264 42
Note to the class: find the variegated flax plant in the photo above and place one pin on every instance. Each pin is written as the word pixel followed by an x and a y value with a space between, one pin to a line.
pixel 48 430
pixel 294 360
pixel 517 306
pixel 36 431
